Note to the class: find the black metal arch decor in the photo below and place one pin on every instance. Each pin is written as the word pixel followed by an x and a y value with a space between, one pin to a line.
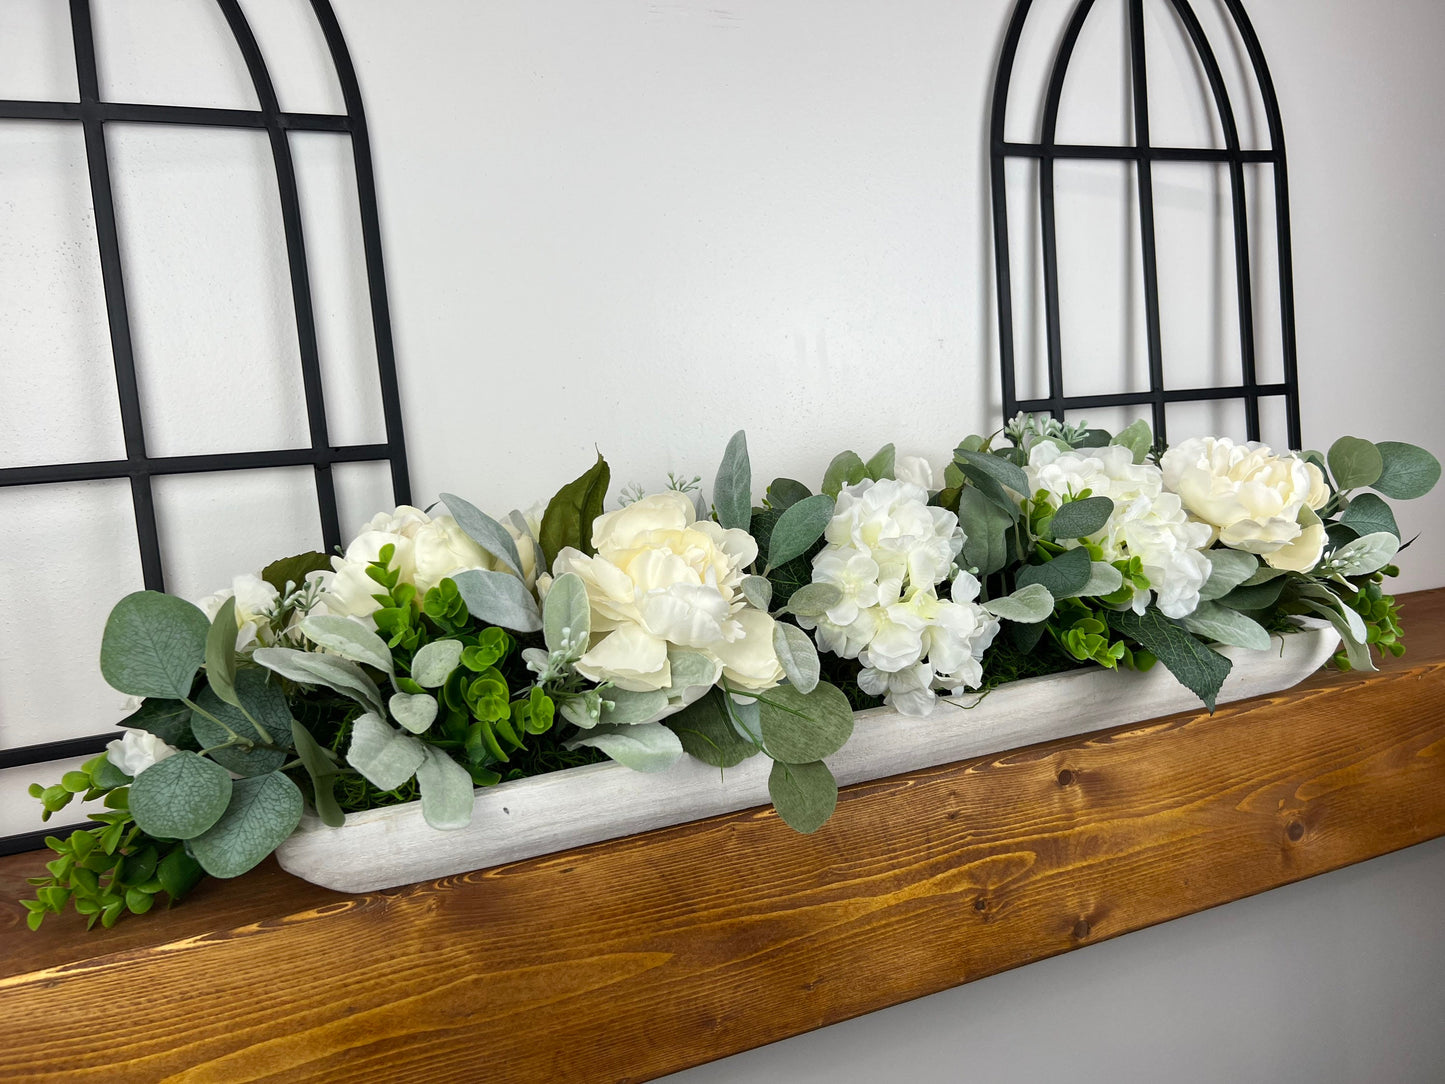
pixel 1143 153
pixel 138 466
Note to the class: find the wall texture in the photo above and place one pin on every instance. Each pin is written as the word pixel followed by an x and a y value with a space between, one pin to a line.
pixel 640 226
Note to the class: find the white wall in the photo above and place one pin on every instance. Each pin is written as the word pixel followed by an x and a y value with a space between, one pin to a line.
pixel 641 225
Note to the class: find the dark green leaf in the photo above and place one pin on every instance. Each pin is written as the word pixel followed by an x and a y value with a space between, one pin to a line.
pixel 798 528
pixel 799 727
pixel 1064 576
pixel 846 469
pixel 221 652
pixel 1368 514
pixel 1093 438
pixel 262 812
pixel 1407 471
pixel 569 515
pixel 169 720
pixel 786 492
pixel 1198 669
pixel 987 465
pixel 706 734
pixel 804 795
pixel 986 526
pixel 153 645
pixel 295 569
pixel 267 706
pixel 1259 596
pixel 322 771
pixel 880 466
pixel 1355 463
pixel 1079 519
pixel 732 488
pixel 180 797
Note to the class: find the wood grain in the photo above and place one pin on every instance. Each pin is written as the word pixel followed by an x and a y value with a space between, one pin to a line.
pixel 626 960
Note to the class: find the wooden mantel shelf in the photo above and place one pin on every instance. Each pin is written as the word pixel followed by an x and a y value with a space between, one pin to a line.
pixel 626 960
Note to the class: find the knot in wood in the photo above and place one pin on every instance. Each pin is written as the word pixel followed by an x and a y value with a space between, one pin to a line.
pixel 1067 777
pixel 1082 929
pixel 1295 831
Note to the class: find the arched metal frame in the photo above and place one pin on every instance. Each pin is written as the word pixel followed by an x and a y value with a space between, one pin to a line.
pixel 1144 154
pixel 92 113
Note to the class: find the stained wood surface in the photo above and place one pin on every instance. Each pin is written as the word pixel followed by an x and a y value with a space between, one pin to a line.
pixel 626 960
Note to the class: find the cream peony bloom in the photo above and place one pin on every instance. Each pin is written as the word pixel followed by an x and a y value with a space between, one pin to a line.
pixel 662 577
pixel 136 751
pixel 255 603
pixel 1253 499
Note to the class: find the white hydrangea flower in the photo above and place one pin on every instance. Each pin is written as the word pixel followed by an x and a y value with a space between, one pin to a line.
pixel 887 553
pixel 137 750
pixel 1147 522
pixel 256 602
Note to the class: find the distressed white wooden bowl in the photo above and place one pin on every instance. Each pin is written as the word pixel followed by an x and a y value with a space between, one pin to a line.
pixel 380 848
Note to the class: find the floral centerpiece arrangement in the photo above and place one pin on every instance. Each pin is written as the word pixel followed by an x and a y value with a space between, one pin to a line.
pixel 446 650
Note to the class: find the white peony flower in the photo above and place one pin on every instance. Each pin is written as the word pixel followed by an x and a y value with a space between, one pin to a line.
pixel 1253 499
pixel 256 601
pixel 662 577
pixel 137 750
pixel 1147 522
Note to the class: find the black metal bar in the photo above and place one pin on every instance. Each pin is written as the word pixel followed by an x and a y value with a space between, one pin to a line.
pixel 1239 205
pixel 371 245
pixel 50 473
pixel 1139 398
pixel 1281 216
pixel 296 259
pixel 1139 87
pixel 45 752
pixel 23 842
pixel 113 283
pixel 998 178
pixel 1048 218
pixel 1131 154
pixel 146 113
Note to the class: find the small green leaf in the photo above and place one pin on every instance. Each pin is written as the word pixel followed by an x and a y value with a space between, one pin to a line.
pixel 262 812
pixel 484 531
pixel 880 466
pixel 348 638
pixel 294 570
pixel 180 797
pixel 993 467
pixel 221 652
pixel 1227 570
pixel 414 711
pixel 1407 471
pixel 153 645
pixel 386 757
pixel 1064 576
pixel 1028 605
pixel 322 772
pixel 804 795
pixel 1355 463
pixel 500 599
pixel 178 873
pixel 799 727
pixel 1079 519
pixel 846 469
pixel 647 747
pixel 569 516
pixel 798 528
pixel 797 656
pixel 1225 626
pixel 1198 669
pixel 814 599
pixel 567 616
pixel 732 489
pixel 446 791
pixel 707 735
pixel 1138 438
pixel 434 663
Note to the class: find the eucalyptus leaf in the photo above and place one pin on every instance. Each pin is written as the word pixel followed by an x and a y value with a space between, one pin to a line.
pixel 798 528
pixel 1079 519
pixel 786 492
pixel 499 598
pixel 262 813
pixel 180 797
pixel 567 616
pixel 385 756
pixel 267 706
pixel 1227 570
pixel 758 590
pixel 746 718
pixel 1104 579
pixel 309 668
pixel 484 531
pixel 996 494
pixel 804 795
pixel 169 720
pixel 1225 626
pixel 732 488
pixel 993 467
pixel 1366 554
pixel 434 663
pixel 814 599
pixel 985 545
pixel 881 465
pixel 846 469
pixel 447 796
pixel 348 638
pixel 153 645
pixel 797 656
pixel 1027 605
pixel 221 652
pixel 707 735
pixel 1138 438
pixel 1260 596
pixel 1065 576
pixel 414 711
pixel 646 747
pixel 1407 471
pixel 799 727
pixel 1355 463
pixel 322 771
pixel 1368 514
pixel 632 708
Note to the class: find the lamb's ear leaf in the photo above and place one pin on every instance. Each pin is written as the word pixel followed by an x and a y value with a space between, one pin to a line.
pixel 732 497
